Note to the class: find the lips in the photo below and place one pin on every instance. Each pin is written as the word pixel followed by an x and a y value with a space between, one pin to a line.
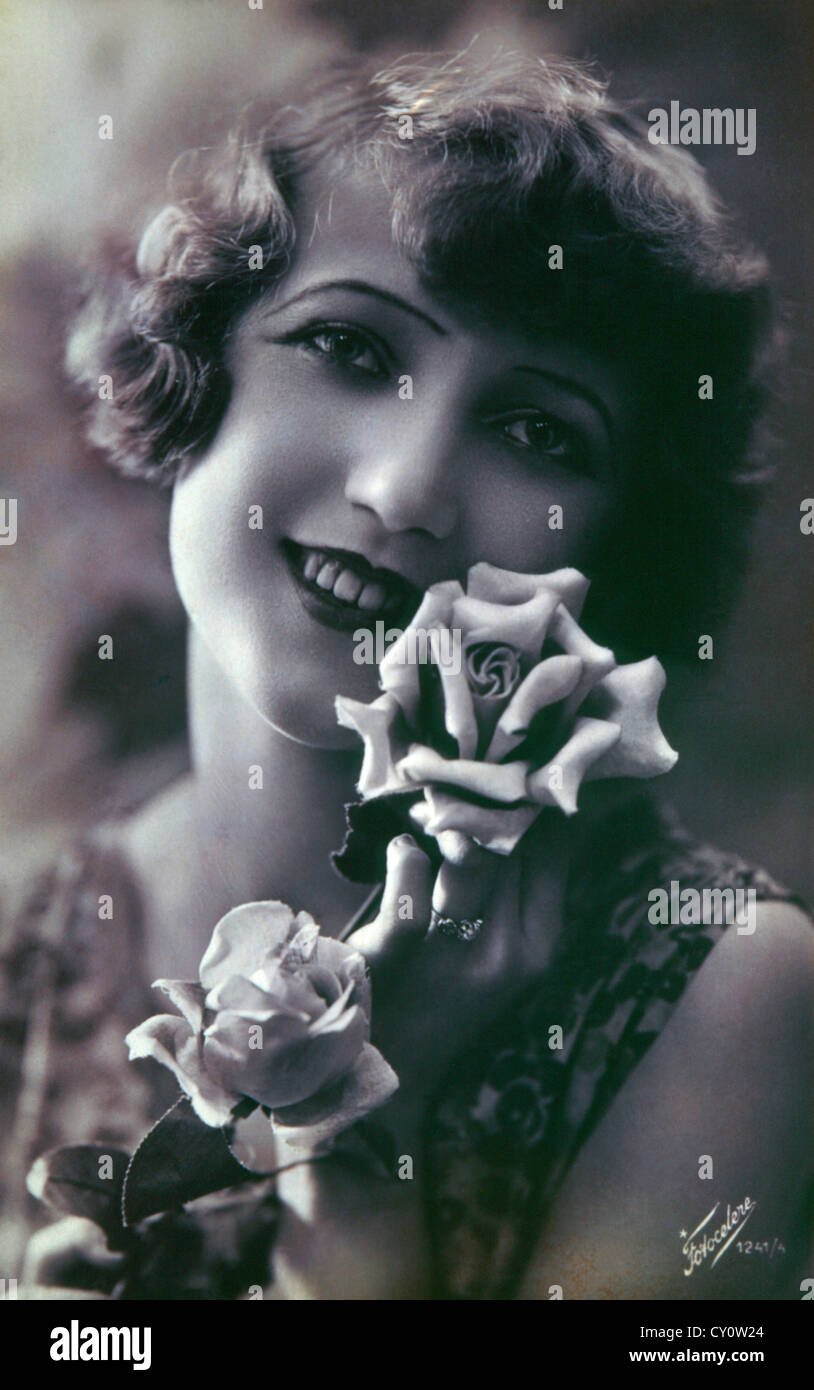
pixel 342 588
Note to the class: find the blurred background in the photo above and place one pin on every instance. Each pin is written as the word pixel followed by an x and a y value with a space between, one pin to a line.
pixel 78 735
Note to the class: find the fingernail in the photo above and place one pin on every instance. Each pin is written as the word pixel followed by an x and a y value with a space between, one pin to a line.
pixel 407 840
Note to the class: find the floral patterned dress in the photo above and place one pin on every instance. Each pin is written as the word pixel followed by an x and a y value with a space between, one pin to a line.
pixel 500 1140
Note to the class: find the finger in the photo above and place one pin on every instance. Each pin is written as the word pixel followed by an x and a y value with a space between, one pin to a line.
pixel 404 913
pixel 463 889
pixel 543 860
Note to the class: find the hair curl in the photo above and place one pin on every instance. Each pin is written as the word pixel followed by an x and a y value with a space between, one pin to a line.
pixel 504 157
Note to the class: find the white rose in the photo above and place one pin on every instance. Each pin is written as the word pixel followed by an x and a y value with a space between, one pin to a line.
pixel 280 1015
pixel 525 728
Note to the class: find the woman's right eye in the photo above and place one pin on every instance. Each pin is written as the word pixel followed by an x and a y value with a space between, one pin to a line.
pixel 344 347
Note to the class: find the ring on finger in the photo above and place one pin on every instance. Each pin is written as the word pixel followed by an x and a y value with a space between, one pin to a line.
pixel 461 928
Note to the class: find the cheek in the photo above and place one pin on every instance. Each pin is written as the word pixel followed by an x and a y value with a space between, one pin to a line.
pixel 224 569
pixel 236 590
pixel 224 513
pixel 539 524
pixel 208 536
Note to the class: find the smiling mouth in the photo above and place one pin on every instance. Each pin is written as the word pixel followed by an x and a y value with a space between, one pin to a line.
pixel 342 588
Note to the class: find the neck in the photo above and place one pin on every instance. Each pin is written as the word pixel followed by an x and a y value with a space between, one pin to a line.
pixel 255 794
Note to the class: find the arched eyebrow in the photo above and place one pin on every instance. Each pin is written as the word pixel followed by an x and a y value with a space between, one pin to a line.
pixel 361 287
pixel 578 389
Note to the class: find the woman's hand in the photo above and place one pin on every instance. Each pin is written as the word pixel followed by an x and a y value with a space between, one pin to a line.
pixel 435 995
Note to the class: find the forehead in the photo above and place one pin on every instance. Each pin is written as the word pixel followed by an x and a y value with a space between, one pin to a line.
pixel 348 219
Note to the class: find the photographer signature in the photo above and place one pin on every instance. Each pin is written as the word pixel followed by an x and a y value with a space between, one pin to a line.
pixel 704 1242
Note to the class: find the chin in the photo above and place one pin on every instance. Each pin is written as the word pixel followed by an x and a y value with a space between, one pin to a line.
pixel 292 684
pixel 303 715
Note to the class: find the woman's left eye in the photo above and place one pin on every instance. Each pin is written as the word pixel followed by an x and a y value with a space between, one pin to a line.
pixel 548 437
pixel 344 346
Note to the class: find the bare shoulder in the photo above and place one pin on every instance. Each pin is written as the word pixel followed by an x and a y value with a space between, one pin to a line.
pixel 774 954
pixel 718 1111
pixel 742 1041
pixel 747 1015
pixel 753 997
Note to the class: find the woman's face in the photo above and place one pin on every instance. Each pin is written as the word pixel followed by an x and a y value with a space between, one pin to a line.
pixel 376 442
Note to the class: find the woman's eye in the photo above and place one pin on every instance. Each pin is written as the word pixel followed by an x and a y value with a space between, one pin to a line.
pixel 549 438
pixel 346 347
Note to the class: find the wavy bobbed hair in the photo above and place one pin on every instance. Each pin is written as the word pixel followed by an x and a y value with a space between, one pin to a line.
pixel 489 162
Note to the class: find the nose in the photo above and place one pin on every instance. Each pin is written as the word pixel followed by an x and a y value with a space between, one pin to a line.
pixel 406 474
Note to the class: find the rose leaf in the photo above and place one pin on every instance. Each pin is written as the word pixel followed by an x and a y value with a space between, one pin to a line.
pixel 370 825
pixel 83 1180
pixel 180 1159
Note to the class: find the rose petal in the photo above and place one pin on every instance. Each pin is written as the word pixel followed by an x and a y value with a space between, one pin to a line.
pixel 306 1065
pixel 233 1032
pixel 333 1010
pixel 596 661
pixel 492 671
pixel 522 625
pixel 339 957
pixel 243 938
pixel 300 947
pixel 293 1061
pixel 629 696
pixel 170 1041
pixel 590 740
pixel 545 684
pixel 422 813
pixel 505 586
pixel 317 1121
pixel 349 966
pixel 361 995
pixel 494 829
pixel 238 994
pixel 188 997
pixel 375 724
pixel 325 983
pixel 264 1073
pixel 270 991
pixel 398 670
pixel 459 711
pixel 497 781
pixel 253 1142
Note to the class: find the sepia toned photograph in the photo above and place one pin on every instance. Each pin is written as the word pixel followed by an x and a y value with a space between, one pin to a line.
pixel 406 618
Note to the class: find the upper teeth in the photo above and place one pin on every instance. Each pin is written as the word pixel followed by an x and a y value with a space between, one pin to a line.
pixel 343 582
